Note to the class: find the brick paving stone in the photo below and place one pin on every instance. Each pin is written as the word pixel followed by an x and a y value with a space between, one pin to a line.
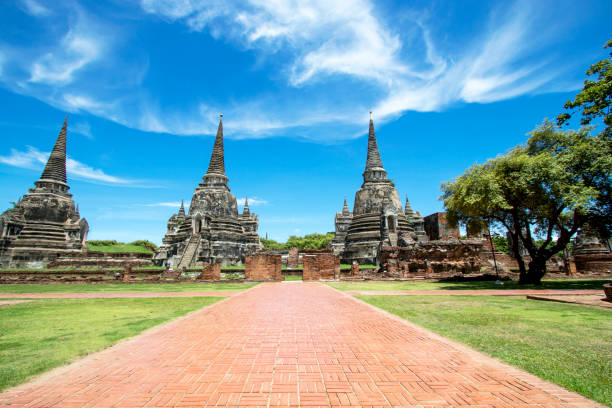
pixel 289 345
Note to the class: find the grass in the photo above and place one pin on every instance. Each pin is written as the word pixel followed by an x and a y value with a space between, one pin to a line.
pixel 120 247
pixel 361 266
pixel 480 285
pixel 123 287
pixel 569 345
pixel 38 336
pixel 293 278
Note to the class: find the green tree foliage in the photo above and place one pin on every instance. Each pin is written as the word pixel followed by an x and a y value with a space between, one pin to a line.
pixel 544 190
pixel 310 241
pixel 501 244
pixel 595 99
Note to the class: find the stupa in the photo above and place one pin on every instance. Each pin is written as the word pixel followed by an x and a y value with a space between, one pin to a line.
pixel 378 218
pixel 212 231
pixel 44 223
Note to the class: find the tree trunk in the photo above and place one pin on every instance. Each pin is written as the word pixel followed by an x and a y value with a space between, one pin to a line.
pixel 519 258
pixel 537 270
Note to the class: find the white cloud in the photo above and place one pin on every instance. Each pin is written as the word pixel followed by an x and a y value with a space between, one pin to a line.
pixel 348 38
pixel 370 60
pixel 77 49
pixel 252 201
pixel 35 8
pixel 36 160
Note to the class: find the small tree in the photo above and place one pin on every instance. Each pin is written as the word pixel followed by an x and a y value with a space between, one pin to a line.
pixel 545 190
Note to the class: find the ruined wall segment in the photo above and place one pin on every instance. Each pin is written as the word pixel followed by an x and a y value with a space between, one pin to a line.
pixel 263 267
pixel 321 267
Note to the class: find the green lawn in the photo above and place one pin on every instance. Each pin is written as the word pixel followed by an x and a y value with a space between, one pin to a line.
pixel 123 287
pixel 293 278
pixel 40 335
pixel 569 345
pixel 119 248
pixel 389 286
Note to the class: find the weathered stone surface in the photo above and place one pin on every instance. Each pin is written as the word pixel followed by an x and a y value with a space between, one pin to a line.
pixel 263 267
pixel 212 231
pixel 321 266
pixel 45 223
pixel 97 259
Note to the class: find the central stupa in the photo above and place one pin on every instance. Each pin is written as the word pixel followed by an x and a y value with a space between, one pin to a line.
pixel 213 231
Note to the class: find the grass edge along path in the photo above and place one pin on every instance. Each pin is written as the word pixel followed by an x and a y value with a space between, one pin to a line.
pixel 38 336
pixel 566 344
pixel 124 287
pixel 374 286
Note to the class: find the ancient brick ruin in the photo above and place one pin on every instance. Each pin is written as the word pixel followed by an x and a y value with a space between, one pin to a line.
pixel 45 223
pixel 432 259
pixel 263 267
pixel 212 231
pixel 437 227
pixel 321 266
pixel 211 272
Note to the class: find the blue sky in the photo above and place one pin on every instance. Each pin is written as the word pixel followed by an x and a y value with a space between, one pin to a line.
pixel 143 82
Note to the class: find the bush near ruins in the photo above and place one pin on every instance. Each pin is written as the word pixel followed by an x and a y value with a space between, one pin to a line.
pixel 310 241
pixel 111 245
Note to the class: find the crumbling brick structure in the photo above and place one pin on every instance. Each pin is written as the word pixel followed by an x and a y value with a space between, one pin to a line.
pixel 354 269
pixel 321 266
pixel 432 259
pixel 437 227
pixel 211 272
pixel 293 258
pixel 263 267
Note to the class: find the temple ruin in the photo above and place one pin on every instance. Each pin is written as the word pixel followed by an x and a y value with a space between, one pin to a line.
pixel 44 223
pixel 213 231
pixel 378 218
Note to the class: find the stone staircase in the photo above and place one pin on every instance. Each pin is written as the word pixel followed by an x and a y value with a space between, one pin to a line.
pixel 188 258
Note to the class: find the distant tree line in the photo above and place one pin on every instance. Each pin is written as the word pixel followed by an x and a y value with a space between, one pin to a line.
pixel 309 241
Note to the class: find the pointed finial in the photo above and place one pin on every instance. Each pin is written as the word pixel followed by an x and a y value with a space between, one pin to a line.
pixel 182 209
pixel 77 211
pixel 345 209
pixel 245 209
pixel 370 115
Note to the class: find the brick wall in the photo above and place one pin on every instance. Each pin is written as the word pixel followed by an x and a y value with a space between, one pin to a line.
pixel 211 272
pixel 436 227
pixel 600 264
pixel 263 267
pixel 321 266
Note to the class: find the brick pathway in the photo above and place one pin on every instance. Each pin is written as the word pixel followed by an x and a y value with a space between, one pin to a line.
pixel 484 292
pixel 289 344
pixel 97 295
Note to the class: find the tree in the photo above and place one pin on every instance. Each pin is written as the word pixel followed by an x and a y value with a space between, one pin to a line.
pixel 542 191
pixel 595 99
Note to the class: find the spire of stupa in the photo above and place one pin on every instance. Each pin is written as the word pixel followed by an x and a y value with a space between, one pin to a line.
pixel 345 209
pixel 217 160
pixel 246 210
pixel 55 169
pixel 374 169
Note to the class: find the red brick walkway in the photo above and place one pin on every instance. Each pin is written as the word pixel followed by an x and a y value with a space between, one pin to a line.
pixel 289 344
